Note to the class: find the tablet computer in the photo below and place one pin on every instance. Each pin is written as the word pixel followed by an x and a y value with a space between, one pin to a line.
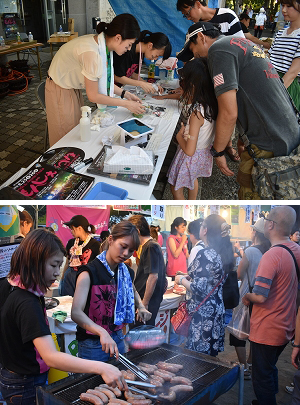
pixel 134 127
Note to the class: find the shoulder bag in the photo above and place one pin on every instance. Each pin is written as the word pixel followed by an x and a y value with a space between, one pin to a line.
pixel 181 320
pixel 275 178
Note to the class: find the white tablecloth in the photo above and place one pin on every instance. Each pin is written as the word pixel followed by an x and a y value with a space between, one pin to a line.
pixel 164 125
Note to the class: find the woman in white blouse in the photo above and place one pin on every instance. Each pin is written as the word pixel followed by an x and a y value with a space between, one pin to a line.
pixel 87 62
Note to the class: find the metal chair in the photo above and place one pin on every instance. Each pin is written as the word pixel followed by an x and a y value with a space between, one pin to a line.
pixel 40 94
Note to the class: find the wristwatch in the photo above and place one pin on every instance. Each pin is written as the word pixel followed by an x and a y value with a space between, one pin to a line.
pixel 214 153
pixel 123 93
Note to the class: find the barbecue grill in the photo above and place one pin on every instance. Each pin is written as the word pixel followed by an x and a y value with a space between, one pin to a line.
pixel 211 378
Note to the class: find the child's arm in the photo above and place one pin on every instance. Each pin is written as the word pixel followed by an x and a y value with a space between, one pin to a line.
pixel 188 143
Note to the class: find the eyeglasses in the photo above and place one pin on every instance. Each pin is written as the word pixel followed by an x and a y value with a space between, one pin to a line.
pixel 186 15
pixel 267 219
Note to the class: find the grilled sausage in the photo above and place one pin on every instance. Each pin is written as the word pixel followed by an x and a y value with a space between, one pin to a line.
pixel 107 392
pixel 180 380
pixel 170 397
pixel 156 382
pixel 148 368
pixel 99 394
pixel 148 365
pixel 157 378
pixel 129 395
pixel 178 388
pixel 93 399
pixel 166 375
pixel 115 390
pixel 117 401
pixel 139 401
pixel 128 375
pixel 172 367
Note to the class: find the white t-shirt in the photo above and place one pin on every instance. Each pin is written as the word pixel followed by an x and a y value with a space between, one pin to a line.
pixel 260 19
pixel 206 134
pixel 76 60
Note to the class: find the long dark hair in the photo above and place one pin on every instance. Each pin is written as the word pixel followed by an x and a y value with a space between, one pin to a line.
pixel 159 41
pixel 198 89
pixel 177 221
pixel 124 24
pixel 28 261
pixel 216 228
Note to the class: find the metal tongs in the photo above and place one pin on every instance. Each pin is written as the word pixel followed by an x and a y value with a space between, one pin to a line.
pixel 133 368
pixel 140 374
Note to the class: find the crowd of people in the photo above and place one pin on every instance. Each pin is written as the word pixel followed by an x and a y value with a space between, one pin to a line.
pixel 227 80
pixel 108 294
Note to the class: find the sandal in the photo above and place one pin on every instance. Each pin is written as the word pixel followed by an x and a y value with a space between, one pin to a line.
pixel 247 374
pixel 232 154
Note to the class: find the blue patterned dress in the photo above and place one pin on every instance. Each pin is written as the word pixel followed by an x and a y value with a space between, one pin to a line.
pixel 206 333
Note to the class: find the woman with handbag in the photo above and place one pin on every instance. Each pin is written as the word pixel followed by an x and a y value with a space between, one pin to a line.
pixel 208 273
pixel 246 272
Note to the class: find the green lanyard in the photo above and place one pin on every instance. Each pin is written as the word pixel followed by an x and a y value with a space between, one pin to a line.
pixel 108 68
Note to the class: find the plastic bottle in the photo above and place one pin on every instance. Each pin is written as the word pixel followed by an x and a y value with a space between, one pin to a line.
pixel 2 42
pixel 170 74
pixel 151 70
pixel 60 28
pixel 30 37
pixel 18 38
pixel 85 124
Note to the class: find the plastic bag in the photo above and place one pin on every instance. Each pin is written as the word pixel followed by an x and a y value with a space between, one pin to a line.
pixel 239 326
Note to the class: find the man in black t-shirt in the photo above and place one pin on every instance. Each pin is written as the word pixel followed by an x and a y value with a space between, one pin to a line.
pixel 245 22
pixel 151 273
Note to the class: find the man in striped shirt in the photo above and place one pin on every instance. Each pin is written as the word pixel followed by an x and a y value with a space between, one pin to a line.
pixel 195 11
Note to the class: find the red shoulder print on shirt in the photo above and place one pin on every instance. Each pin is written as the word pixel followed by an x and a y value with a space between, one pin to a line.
pixel 269 73
pixel 241 43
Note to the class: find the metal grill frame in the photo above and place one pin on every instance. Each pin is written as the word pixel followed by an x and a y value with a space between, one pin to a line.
pixel 62 392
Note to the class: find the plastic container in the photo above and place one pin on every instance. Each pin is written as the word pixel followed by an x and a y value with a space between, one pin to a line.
pixel 18 38
pixel 54 374
pixel 60 28
pixel 85 124
pixel 30 37
pixel 151 70
pixel 105 191
pixel 2 42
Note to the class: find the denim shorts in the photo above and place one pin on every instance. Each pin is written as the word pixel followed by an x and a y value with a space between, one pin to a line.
pixel 91 349
pixel 20 389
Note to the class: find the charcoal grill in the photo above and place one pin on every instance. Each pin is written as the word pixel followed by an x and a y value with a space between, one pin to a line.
pixel 211 378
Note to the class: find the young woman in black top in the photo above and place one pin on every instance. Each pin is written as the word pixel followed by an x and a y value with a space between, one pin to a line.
pixel 27 349
pixel 82 249
pixel 150 45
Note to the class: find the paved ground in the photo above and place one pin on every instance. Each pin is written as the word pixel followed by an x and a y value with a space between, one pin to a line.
pixel 285 375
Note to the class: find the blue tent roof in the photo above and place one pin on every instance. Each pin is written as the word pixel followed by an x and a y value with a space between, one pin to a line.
pixel 157 16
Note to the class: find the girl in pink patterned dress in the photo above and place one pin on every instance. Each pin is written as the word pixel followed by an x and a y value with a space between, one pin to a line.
pixel 193 159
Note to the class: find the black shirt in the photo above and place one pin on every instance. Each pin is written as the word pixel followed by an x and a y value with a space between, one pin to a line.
pixel 89 252
pixel 126 64
pixel 22 319
pixel 151 261
pixel 100 304
pixel 244 28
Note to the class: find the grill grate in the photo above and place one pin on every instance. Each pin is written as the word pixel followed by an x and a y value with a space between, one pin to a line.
pixel 195 367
